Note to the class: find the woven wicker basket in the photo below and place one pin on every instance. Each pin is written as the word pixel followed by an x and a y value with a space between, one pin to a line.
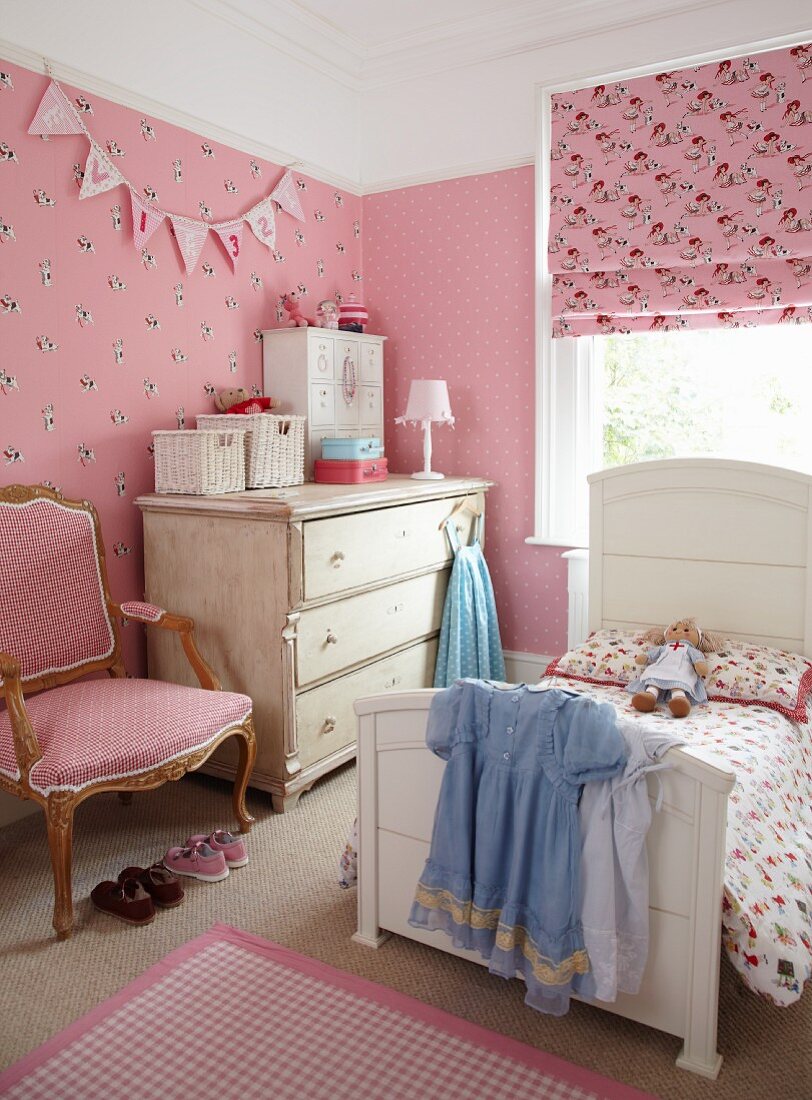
pixel 274 446
pixel 199 462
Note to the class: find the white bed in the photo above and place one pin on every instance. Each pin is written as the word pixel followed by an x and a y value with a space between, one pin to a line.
pixel 728 542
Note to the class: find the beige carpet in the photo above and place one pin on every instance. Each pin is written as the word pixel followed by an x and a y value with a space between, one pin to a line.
pixel 288 893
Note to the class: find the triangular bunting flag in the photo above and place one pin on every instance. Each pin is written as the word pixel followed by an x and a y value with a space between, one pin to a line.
pixel 230 234
pixel 55 114
pixel 262 220
pixel 100 174
pixel 286 194
pixel 191 236
pixel 146 220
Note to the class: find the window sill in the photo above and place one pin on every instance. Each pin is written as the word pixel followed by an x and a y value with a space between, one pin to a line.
pixel 570 544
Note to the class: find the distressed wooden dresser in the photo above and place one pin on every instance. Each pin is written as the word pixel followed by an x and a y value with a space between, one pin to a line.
pixel 304 599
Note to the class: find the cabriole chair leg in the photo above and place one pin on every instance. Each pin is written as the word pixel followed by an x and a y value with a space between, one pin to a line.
pixel 59 817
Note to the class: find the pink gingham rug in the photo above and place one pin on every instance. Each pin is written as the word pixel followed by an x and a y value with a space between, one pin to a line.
pixel 230 1015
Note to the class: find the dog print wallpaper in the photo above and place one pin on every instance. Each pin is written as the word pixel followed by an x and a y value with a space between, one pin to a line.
pixel 684 199
pixel 103 343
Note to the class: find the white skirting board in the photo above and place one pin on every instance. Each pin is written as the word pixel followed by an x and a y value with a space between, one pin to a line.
pixel 525 668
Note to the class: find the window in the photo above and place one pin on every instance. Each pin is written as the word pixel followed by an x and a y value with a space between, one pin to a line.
pixel 612 400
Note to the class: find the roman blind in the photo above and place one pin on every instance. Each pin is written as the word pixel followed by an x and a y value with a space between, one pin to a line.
pixel 683 200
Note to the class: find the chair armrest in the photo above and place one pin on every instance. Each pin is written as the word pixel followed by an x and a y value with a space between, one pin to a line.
pixel 26 746
pixel 152 615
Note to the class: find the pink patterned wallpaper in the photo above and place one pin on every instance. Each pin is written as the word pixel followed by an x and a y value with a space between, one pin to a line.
pixel 449 278
pixel 80 413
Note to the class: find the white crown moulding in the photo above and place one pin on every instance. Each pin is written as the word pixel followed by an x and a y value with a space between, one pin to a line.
pixel 87 82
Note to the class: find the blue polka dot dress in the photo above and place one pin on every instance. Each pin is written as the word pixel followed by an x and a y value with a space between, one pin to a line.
pixel 470 646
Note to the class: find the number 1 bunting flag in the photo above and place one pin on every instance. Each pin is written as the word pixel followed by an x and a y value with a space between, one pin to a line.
pixel 191 236
pixel 231 236
pixel 55 114
pixel 146 220
pixel 100 174
pixel 286 194
pixel 262 220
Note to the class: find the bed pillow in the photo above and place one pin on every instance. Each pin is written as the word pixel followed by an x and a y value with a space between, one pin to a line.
pixel 756 675
pixel 606 657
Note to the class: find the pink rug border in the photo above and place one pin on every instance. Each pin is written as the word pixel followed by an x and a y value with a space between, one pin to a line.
pixel 572 1074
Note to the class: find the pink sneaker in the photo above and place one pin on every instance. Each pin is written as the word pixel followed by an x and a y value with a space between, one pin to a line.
pixel 197 860
pixel 220 841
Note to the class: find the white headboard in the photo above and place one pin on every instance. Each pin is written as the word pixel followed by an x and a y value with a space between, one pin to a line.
pixel 728 542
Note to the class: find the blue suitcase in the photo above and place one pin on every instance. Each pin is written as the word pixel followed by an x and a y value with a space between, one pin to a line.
pixel 351 449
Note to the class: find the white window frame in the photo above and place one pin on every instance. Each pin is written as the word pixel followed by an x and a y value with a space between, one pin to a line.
pixel 566 401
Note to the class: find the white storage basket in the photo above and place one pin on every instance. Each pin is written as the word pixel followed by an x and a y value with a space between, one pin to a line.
pixel 274 446
pixel 199 462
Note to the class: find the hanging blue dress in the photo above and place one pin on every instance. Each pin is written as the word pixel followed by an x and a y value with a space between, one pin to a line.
pixel 503 873
pixel 469 636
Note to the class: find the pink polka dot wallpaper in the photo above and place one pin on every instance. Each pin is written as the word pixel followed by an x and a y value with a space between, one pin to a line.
pixel 449 278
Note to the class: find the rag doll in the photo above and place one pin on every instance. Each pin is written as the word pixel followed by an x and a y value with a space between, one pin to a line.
pixel 675 669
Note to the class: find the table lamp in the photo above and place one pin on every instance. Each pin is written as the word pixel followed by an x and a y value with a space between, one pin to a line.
pixel 428 403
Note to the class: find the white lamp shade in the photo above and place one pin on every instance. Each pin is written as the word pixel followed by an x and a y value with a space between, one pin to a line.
pixel 428 400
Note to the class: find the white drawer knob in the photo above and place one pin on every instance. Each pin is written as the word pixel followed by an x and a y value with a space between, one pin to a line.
pixel 401 534
pixel 391 683
pixel 337 559
pixel 331 638
pixel 395 609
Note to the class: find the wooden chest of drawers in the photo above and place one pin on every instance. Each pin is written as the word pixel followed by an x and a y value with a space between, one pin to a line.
pixel 305 600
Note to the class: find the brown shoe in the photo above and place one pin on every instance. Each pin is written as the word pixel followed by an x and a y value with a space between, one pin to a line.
pixel 162 886
pixel 126 900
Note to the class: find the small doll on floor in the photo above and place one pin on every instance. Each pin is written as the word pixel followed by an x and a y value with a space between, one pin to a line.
pixel 675 669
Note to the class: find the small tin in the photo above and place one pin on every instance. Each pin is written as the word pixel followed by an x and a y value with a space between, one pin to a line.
pixel 368 447
pixel 350 472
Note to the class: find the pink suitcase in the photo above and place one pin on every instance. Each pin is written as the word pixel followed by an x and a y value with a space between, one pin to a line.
pixel 333 471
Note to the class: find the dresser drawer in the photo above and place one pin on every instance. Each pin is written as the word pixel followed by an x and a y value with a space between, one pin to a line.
pixel 350 631
pixel 325 720
pixel 372 363
pixel 320 358
pixel 354 550
pixel 322 404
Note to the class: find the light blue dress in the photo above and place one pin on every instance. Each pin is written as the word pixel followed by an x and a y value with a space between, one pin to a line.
pixel 469 636
pixel 503 873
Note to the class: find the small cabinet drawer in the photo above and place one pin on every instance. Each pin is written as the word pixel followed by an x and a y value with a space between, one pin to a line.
pixel 322 404
pixel 320 358
pixel 325 719
pixel 370 404
pixel 348 402
pixel 349 551
pixel 372 363
pixel 345 633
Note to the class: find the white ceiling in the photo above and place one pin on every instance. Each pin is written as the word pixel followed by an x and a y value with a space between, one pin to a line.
pixel 374 23
pixel 366 44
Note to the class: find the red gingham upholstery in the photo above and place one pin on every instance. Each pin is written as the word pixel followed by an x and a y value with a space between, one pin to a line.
pixel 143 612
pixel 54 615
pixel 106 729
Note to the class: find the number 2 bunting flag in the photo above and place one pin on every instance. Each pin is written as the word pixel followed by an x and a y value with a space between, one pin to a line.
pixel 262 220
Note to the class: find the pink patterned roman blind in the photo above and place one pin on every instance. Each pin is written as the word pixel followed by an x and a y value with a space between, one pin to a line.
pixel 684 200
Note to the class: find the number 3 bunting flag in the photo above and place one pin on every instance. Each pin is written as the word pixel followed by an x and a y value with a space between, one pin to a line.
pixel 230 234
pixel 262 220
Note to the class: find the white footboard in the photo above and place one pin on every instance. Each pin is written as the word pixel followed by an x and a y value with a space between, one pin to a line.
pixel 398 783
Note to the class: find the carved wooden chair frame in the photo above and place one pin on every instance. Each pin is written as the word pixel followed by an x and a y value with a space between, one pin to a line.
pixel 59 806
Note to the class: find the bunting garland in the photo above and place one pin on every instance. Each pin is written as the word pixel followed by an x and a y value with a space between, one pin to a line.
pixel 56 115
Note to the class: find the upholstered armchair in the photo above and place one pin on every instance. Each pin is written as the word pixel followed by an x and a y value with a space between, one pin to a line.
pixel 64 737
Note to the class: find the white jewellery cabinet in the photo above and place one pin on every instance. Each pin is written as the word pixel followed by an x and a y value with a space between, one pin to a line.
pixel 305 602
pixel 333 378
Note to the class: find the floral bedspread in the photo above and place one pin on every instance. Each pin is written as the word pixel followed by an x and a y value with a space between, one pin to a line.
pixel 767 904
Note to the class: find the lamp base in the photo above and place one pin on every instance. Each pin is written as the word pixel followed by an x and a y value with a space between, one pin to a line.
pixel 428 475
